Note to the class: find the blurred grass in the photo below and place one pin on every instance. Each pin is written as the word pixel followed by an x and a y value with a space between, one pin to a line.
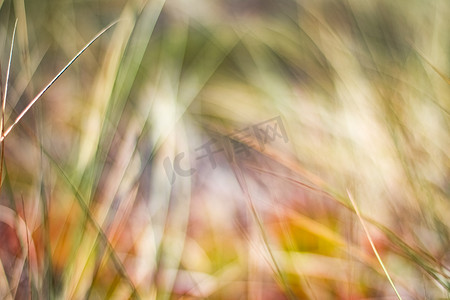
pixel 87 209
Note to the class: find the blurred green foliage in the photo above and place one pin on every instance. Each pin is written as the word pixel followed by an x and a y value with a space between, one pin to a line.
pixel 362 88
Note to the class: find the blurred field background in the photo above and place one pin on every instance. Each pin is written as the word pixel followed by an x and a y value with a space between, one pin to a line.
pixel 93 207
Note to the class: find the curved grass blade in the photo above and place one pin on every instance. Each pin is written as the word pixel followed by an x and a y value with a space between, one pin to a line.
pixel 39 95
pixel 3 96
pixel 101 234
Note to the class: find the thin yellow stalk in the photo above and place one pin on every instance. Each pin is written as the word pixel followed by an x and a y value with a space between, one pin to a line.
pixel 372 245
